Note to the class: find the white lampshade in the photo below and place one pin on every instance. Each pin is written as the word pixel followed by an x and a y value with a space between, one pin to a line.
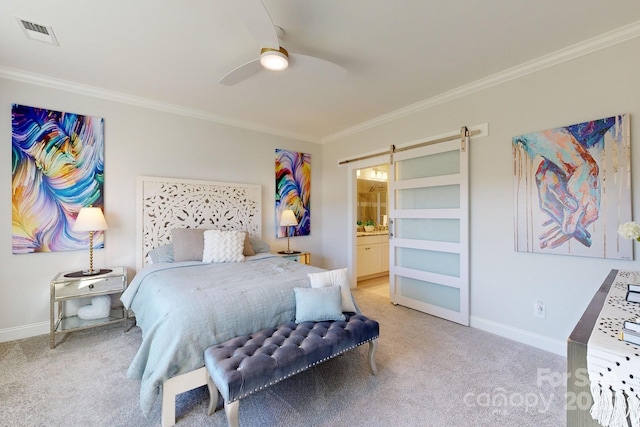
pixel 274 60
pixel 90 219
pixel 288 218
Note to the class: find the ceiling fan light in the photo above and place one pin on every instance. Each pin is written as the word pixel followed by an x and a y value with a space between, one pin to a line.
pixel 274 60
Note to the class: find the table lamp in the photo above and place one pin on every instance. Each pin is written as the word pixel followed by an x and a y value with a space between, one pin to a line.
pixel 90 219
pixel 288 219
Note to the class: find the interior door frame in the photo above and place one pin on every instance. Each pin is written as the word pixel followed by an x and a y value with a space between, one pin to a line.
pixel 352 211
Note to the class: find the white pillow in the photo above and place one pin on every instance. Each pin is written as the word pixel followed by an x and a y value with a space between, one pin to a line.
pixel 223 246
pixel 98 309
pixel 335 278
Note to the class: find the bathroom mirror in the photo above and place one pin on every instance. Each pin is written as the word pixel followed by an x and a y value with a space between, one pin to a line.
pixel 372 195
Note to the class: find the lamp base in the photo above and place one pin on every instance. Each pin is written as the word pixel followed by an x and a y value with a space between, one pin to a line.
pixel 85 273
pixel 289 252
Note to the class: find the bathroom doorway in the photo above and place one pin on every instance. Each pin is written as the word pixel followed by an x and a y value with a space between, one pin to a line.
pixel 372 228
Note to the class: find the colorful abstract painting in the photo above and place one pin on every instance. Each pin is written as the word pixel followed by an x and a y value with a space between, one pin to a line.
pixel 572 189
pixel 57 168
pixel 293 191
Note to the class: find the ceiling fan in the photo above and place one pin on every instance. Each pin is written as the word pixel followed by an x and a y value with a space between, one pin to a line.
pixel 273 55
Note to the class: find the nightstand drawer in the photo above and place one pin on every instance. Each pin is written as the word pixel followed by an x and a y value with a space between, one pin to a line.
pixel 88 287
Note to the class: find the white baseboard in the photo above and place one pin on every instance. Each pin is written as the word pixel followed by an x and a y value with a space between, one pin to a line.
pixel 519 335
pixel 25 331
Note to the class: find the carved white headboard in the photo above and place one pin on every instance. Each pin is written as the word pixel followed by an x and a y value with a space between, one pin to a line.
pixel 167 203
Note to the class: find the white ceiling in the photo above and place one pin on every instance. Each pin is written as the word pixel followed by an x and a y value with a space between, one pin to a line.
pixel 171 54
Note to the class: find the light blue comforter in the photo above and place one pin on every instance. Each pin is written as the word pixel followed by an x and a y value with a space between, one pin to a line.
pixel 183 308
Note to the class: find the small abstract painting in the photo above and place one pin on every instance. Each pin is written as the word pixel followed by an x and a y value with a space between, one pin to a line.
pixel 57 168
pixel 572 188
pixel 293 191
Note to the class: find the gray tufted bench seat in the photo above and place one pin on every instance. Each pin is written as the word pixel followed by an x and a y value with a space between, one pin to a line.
pixel 250 363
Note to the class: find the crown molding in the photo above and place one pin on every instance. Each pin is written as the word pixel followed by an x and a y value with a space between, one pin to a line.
pixel 586 47
pixel 82 89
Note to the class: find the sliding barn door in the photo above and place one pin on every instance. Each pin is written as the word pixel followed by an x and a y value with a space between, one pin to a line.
pixel 429 237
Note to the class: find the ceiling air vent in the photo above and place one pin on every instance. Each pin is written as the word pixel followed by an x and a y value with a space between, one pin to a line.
pixel 43 33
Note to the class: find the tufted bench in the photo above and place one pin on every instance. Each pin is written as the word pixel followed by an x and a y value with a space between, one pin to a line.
pixel 250 363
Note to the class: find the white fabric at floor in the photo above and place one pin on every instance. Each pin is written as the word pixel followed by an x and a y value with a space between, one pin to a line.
pixel 614 364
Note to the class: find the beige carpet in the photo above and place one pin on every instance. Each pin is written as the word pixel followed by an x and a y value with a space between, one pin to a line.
pixel 378 286
pixel 431 372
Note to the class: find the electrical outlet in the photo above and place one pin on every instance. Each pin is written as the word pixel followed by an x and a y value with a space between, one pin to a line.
pixel 539 309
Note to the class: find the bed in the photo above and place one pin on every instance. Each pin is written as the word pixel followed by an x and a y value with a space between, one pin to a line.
pixel 184 305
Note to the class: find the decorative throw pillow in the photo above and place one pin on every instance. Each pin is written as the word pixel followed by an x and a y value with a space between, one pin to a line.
pixel 163 253
pixel 338 278
pixel 188 244
pixel 98 309
pixel 248 249
pixel 223 246
pixel 315 305
pixel 259 246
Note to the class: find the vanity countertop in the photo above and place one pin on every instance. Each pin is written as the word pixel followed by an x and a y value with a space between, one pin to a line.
pixel 372 233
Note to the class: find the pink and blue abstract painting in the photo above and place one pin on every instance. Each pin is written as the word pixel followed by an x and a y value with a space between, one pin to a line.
pixel 57 168
pixel 293 191
pixel 572 189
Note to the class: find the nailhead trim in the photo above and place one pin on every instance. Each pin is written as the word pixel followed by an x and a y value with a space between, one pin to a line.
pixel 272 382
pixel 301 370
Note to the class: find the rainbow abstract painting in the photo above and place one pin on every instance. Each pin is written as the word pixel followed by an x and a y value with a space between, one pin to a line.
pixel 573 189
pixel 57 168
pixel 293 191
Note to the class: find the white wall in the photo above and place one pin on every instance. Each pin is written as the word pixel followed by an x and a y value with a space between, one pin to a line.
pixel 504 283
pixel 138 141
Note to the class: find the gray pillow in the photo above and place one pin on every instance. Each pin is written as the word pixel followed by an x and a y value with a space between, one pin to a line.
pixel 163 253
pixel 259 246
pixel 188 244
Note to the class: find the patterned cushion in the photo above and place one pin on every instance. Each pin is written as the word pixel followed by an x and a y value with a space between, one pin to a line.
pixel 223 246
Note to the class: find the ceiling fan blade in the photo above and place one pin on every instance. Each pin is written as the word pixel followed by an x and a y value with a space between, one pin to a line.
pixel 257 19
pixel 242 73
pixel 317 66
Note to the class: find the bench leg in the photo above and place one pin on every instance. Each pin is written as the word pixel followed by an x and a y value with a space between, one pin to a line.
pixel 231 409
pixel 176 385
pixel 373 346
pixel 213 395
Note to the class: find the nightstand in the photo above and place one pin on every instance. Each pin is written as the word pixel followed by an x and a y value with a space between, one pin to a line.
pixel 301 257
pixel 63 288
